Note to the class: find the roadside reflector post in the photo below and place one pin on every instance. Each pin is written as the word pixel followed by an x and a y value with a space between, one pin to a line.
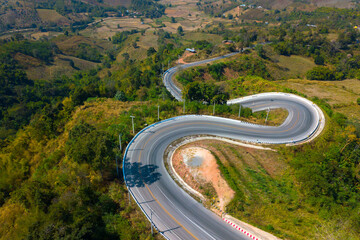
pixel 267 115
pixel 214 109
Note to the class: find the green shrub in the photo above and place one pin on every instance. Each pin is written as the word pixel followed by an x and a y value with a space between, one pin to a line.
pixel 323 73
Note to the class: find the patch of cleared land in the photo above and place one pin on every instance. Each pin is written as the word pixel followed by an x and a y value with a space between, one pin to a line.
pixel 48 15
pixel 144 43
pixel 284 67
pixel 39 35
pixel 110 26
pixel 125 3
pixel 199 36
pixel 69 44
pixel 236 12
pixel 60 66
pixel 198 168
pixel 291 4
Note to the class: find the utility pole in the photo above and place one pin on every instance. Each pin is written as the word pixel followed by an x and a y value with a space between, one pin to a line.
pixel 117 168
pixel 184 105
pixel 129 197
pixel 120 142
pixel 239 110
pixel 158 112
pixel 267 115
pixel 132 120
pixel 214 109
pixel 152 231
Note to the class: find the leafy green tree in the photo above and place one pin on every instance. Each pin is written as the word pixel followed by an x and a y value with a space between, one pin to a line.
pixel 203 92
pixel 358 101
pixel 88 145
pixel 126 56
pixel 120 96
pixel 180 30
pixel 71 63
pixel 260 51
pixel 79 96
pixel 151 51
pixel 319 60
pixel 320 73
pixel 216 70
pixel 283 48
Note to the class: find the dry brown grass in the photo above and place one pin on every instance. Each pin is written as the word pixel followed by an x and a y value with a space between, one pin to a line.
pixel 144 43
pixel 39 35
pixel 60 66
pixel 332 36
pixel 109 27
pixel 237 11
pixel 334 3
pixel 125 3
pixel 198 36
pixel 69 44
pixel 276 117
pixel 101 111
pixel 48 15
pixel 27 61
pixel 290 67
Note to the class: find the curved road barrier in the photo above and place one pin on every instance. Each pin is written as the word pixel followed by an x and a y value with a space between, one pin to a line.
pixel 169 208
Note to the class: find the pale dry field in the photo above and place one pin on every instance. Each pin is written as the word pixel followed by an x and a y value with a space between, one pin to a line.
pixel 144 43
pixel 39 35
pixel 109 26
pixel 60 66
pixel 48 15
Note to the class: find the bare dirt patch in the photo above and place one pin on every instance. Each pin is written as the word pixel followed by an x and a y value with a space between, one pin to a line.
pixel 184 56
pixel 198 167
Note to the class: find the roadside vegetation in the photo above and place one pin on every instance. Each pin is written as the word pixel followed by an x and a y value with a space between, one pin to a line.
pixel 66 97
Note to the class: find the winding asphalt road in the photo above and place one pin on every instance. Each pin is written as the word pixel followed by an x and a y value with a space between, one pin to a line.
pixel 173 212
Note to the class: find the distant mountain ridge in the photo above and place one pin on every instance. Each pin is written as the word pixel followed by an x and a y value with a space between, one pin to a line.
pixel 279 4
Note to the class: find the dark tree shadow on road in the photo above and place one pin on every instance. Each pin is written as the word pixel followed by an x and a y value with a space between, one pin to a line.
pixel 137 175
